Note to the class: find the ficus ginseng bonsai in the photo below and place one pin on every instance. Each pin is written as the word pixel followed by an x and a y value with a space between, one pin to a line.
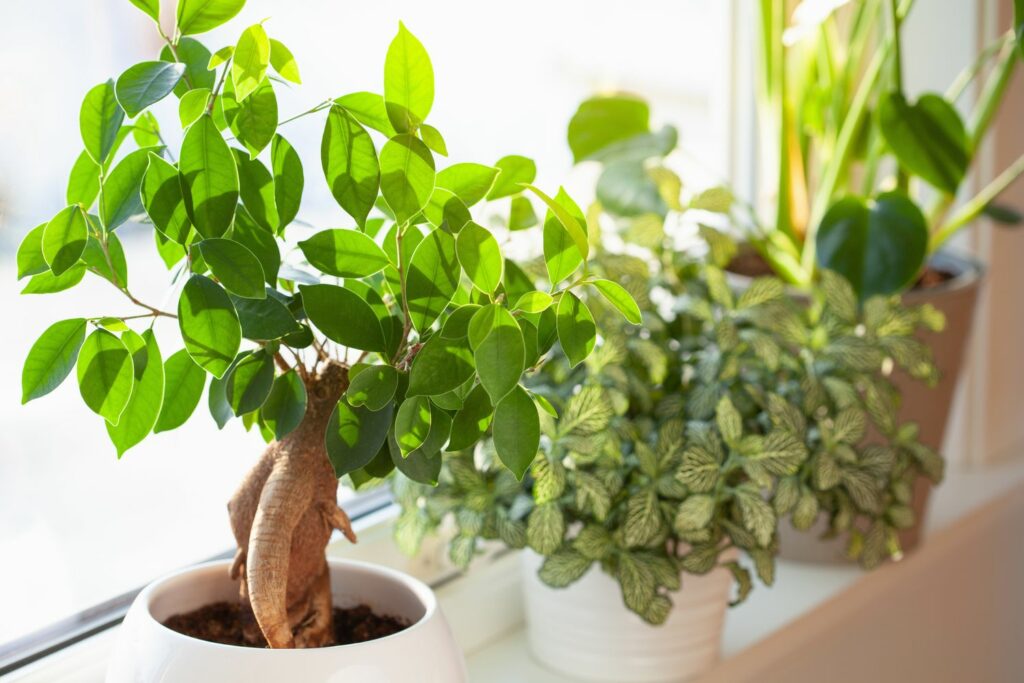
pixel 418 291
pixel 682 442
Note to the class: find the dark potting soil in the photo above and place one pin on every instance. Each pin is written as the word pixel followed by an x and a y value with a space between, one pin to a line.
pixel 221 622
pixel 748 262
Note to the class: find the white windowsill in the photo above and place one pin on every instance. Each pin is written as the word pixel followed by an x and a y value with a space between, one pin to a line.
pixel 485 609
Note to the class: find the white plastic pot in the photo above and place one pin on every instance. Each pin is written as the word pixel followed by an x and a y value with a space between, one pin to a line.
pixel 586 632
pixel 425 652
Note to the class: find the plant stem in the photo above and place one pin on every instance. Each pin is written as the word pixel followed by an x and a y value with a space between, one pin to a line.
pixel 972 209
pixel 407 325
pixel 967 76
pixel 902 180
pixel 320 107
pixel 220 84
pixel 992 96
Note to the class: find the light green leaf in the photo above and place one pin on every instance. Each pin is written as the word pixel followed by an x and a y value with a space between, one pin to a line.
pixel 729 421
pixel 516 431
pixel 407 176
pixel 64 239
pixel 288 180
pixel 344 253
pixel 83 182
pixel 626 189
pixel 355 435
pixel 105 375
pixel 121 198
pixel 534 302
pixel 350 164
pixel 501 356
pixel 209 178
pixel 545 528
pixel 563 568
pixel 163 201
pixel 260 242
pixel 285 407
pixel 30 253
pixel 51 358
pixel 183 387
pixel 264 319
pixel 199 16
pixel 643 518
pixel 209 325
pixel 146 83
pixel 472 420
pixel 444 208
pixel 249 383
pixel 576 330
pixel 562 254
pixel 408 82
pixel 433 139
pixel 602 121
pixel 516 171
pixel 48 283
pixel 150 7
pixel 618 297
pixel 442 365
pixel 412 423
pixel 254 119
pixel 237 269
pixel 256 187
pixel 469 182
pixel 480 257
pixel 100 121
pixel 373 387
pixel 220 56
pixel 283 61
pixel 368 108
pixel 343 316
pixel 694 513
pixel 432 277
pixel 143 408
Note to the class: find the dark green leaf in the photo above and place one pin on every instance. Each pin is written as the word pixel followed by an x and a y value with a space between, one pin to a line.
pixel 501 355
pixel 105 375
pixel 879 247
pixel 264 319
pixel 163 201
pixel 442 365
pixel 140 414
pixel 285 407
pixel 100 121
pixel 209 325
pixel 355 435
pixel 576 330
pixel 928 137
pixel 209 178
pixel 516 171
pixel 146 83
pixel 420 466
pixel 288 180
pixel 114 270
pixel 51 358
pixel 516 431
pixel 196 59
pixel 183 387
pixel 407 176
pixel 249 384
pixel 343 316
pixel 408 81
pixel 472 420
pixel 480 257
pixel 350 164
pixel 237 268
pixel 260 242
pixel 121 198
pixel 64 239
pixel 373 387
pixel 344 253
pixel 256 187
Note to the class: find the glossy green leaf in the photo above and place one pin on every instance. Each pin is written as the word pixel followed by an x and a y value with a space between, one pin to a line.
pixel 456 326
pixel 260 242
pixel 412 423
pixel 576 330
pixel 146 83
pixel 83 182
pixel 264 319
pixel 196 59
pixel 431 278
pixel 373 387
pixel 368 108
pixel 469 182
pixel 146 130
pixel 480 257
pixel 288 180
pixel 199 16
pixel 217 400
pixel 121 197
pixel 150 7
pixel 237 268
pixel 209 325
pixel 879 246
pixel 48 283
pixel 183 388
pixel 110 264
pixel 516 431
pixel 64 239
pixel 444 208
pixel 433 139
pixel 472 421
pixel 407 176
pixel 618 297
pixel 209 178
pixel 30 253
pixel 143 408
pixel 602 121
pixel 192 105
pixel 163 201
pixel 285 407
pixel 558 252
pixel 355 435
pixel 421 465
pixel 221 56
pixel 534 302
pixel 249 384
pixel 350 164
pixel 344 253
pixel 408 81
pixel 928 138
pixel 343 316
pixel 256 188
pixel 501 356
pixel 105 375
pixel 481 324
pixel 440 366
pixel 254 119
pixel 51 358
pixel 250 61
pixel 515 171
pixel 100 121
pixel 283 61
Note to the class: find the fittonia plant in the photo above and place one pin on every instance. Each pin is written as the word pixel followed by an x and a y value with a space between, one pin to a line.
pixel 401 336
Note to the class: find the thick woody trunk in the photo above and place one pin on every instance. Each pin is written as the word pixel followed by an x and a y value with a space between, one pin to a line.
pixel 282 517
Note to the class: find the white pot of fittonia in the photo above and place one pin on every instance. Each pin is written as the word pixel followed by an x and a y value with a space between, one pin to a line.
pixel 586 632
pixel 424 651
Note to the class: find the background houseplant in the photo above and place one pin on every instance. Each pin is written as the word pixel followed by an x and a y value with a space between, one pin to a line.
pixel 680 445
pixel 224 223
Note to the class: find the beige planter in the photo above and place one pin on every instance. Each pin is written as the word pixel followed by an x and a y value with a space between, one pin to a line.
pixel 928 407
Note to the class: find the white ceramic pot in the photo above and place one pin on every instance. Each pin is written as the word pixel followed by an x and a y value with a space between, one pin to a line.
pixel 586 632
pixel 425 652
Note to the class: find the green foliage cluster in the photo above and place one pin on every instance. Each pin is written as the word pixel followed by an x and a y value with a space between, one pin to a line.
pixel 441 326
pixel 682 445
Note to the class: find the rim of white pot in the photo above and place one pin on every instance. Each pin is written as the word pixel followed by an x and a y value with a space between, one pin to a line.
pixel 419 590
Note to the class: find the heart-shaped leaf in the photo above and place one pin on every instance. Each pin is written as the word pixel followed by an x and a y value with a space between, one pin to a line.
pixel 927 137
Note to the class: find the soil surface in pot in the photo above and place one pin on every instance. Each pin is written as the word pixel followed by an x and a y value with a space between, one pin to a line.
pixel 748 262
pixel 221 622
